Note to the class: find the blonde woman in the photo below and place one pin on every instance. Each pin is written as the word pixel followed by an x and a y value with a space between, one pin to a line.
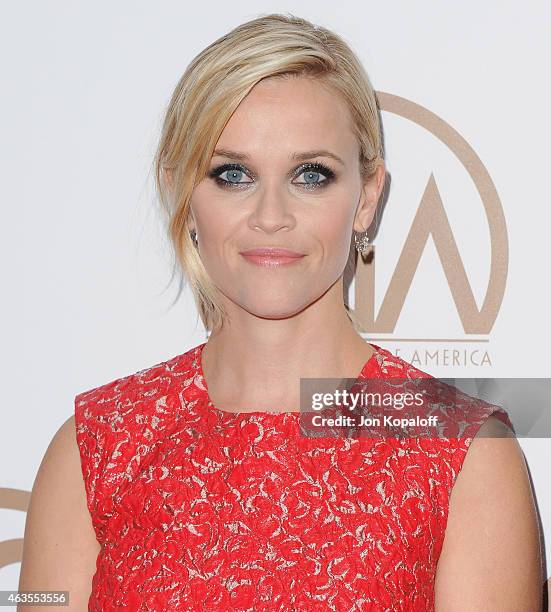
pixel 188 485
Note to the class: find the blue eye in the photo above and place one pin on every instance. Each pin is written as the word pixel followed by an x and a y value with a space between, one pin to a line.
pixel 311 176
pixel 235 172
pixel 312 173
pixel 234 175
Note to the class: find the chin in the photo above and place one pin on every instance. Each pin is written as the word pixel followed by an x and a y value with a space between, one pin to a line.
pixel 277 309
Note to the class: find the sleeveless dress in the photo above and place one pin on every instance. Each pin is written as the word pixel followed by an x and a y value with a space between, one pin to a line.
pixel 198 508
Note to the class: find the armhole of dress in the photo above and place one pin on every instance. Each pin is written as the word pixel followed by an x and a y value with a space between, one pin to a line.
pixel 481 413
pixel 459 447
pixel 484 411
pixel 90 450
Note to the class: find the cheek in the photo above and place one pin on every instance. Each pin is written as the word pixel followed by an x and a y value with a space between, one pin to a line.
pixel 211 229
pixel 334 232
pixel 212 243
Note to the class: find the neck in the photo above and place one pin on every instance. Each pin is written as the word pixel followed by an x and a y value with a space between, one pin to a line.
pixel 253 363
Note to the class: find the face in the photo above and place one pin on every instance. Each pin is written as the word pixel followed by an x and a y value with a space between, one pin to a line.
pixel 285 174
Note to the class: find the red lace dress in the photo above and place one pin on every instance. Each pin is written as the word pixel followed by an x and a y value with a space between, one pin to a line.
pixel 197 508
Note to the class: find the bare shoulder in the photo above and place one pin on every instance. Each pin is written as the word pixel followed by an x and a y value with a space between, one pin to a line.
pixel 60 546
pixel 491 557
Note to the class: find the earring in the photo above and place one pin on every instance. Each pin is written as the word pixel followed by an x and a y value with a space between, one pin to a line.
pixel 362 244
pixel 193 236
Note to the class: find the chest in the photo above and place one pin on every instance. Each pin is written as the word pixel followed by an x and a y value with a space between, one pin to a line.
pixel 312 514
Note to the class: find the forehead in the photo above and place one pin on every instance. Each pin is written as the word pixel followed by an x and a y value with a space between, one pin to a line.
pixel 290 114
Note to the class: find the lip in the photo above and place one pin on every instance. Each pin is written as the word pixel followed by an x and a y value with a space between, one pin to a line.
pixel 271 252
pixel 272 257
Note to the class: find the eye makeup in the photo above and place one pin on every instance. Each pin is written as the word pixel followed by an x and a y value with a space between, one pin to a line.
pixel 312 170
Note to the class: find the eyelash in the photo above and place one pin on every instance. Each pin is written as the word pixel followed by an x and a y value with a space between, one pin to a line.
pixel 309 167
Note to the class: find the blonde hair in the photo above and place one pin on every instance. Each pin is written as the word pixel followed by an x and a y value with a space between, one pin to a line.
pixel 209 91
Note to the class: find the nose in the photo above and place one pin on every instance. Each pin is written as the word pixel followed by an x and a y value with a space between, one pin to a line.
pixel 272 210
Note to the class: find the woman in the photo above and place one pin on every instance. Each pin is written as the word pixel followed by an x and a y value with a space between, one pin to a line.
pixel 178 494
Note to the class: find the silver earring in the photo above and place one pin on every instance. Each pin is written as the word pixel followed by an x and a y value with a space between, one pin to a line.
pixel 193 236
pixel 362 244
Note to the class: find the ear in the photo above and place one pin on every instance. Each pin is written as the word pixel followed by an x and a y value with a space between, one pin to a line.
pixel 369 198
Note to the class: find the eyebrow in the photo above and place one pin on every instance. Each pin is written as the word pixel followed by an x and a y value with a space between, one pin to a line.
pixel 299 156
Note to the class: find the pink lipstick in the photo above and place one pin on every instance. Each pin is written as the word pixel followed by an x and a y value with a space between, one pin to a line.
pixel 272 257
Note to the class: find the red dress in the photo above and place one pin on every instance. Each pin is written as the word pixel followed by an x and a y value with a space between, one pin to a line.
pixel 201 509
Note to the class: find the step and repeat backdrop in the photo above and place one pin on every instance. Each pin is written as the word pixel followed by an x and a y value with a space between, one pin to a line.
pixel 457 282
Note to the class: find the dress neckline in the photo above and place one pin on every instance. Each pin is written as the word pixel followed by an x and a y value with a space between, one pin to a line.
pixel 199 373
